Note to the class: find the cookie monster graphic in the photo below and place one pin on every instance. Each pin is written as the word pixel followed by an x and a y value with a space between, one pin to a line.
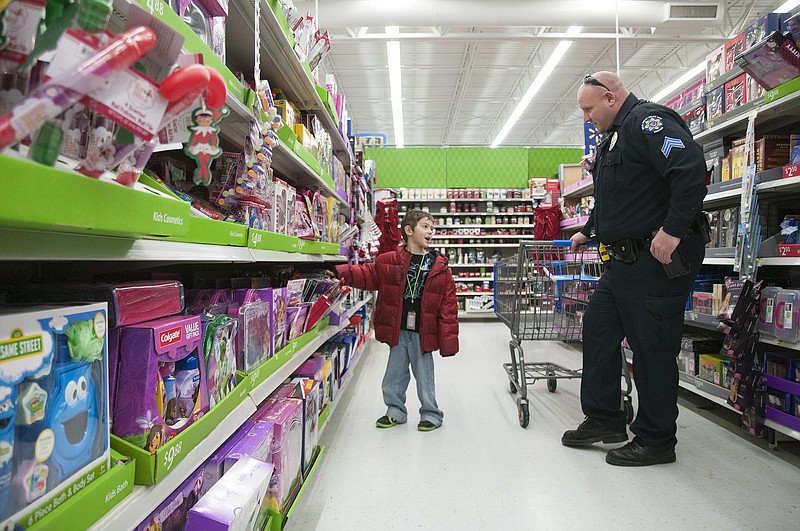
pixel 73 416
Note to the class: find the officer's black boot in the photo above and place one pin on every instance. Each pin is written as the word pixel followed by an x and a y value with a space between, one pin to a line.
pixel 591 431
pixel 636 453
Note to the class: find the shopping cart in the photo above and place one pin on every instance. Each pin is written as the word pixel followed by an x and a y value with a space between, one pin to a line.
pixel 541 293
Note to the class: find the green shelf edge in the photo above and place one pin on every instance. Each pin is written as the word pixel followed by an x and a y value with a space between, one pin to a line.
pixel 39 203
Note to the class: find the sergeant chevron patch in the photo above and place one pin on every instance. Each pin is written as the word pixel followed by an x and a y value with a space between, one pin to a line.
pixel 670 143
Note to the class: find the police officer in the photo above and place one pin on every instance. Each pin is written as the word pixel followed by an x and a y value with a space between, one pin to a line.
pixel 649 185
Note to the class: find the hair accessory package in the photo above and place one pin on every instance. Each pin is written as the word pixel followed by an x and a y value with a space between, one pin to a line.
pixel 53 405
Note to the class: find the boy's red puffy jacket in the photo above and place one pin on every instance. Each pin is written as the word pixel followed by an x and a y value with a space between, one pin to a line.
pixel 438 307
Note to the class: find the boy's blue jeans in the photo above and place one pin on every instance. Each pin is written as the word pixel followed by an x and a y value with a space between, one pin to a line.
pixel 395 382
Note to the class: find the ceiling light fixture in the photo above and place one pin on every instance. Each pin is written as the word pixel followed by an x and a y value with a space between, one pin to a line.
pixel 678 83
pixel 395 85
pixel 538 82
pixel 786 7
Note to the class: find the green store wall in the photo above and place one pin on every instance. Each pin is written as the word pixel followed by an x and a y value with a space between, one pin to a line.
pixel 467 167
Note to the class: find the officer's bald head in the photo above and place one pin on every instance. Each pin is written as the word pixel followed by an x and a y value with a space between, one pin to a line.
pixel 600 97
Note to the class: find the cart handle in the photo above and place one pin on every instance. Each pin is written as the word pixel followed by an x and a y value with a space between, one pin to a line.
pixel 567 243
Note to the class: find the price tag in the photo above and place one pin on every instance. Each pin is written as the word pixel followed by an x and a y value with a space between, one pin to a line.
pixel 791 170
pixel 789 250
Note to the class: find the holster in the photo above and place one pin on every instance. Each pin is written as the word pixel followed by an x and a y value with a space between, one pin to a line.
pixel 626 250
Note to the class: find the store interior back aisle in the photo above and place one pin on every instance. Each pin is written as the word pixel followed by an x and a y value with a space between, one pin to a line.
pixel 482 471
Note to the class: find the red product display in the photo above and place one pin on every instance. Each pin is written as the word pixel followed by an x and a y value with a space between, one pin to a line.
pixel 128 303
pixel 735 93
pixel 386 218
pixel 733 47
pixel 546 223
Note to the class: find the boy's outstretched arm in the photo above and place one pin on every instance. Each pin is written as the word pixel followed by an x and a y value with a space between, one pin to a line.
pixel 448 319
pixel 361 276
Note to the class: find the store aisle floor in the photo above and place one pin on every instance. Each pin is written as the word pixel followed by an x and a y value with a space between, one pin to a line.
pixel 481 471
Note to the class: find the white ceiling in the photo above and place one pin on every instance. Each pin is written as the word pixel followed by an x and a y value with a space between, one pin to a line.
pixel 466 63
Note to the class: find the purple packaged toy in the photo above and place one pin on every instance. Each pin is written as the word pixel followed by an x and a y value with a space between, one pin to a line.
pixel 173 512
pixel 163 390
pixel 253 336
pixel 235 502
pixel 296 320
pixel 256 442
pixel 277 322
pixel 215 466
pixel 219 356
pixel 287 448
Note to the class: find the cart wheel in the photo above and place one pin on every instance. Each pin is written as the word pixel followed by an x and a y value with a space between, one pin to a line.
pixel 552 384
pixel 628 408
pixel 512 386
pixel 524 414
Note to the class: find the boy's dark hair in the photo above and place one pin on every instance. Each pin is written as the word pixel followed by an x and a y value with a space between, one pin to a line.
pixel 411 219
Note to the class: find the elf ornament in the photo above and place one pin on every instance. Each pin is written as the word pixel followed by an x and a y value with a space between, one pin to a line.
pixel 203 146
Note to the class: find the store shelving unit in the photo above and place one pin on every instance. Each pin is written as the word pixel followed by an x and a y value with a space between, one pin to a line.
pixel 144 500
pixel 771 115
pixel 77 239
pixel 481 241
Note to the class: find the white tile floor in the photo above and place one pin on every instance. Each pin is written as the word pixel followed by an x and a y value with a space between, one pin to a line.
pixel 482 471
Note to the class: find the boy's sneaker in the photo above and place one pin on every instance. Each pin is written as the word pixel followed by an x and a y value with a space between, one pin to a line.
pixel 386 422
pixel 427 425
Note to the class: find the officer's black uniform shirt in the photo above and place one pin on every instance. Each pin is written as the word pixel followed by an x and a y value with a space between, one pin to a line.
pixel 648 173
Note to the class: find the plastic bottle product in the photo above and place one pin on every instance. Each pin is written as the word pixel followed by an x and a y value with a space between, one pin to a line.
pixel 187 381
pixel 766 312
pixel 171 400
pixel 787 315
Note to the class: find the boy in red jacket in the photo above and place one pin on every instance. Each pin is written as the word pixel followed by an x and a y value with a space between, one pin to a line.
pixel 416 313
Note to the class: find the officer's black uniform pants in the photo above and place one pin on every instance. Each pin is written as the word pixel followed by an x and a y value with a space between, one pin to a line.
pixel 637 301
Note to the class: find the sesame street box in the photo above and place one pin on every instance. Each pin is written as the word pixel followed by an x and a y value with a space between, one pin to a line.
pixel 54 422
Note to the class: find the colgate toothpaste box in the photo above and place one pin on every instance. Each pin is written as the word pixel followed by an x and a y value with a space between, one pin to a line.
pixel 161 383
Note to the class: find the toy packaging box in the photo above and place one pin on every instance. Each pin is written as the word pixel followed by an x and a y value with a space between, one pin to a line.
pixel 236 502
pixel 287 448
pixel 314 369
pixel 219 356
pixel 54 417
pixel 173 512
pixel 214 468
pixel 735 93
pixel 253 336
pixel 758 30
pixel 715 103
pixel 772 61
pixel 733 47
pixel 309 396
pixel 278 319
pixel 161 388
pixel 715 64
pixel 256 442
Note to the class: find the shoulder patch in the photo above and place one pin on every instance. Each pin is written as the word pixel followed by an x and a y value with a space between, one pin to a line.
pixel 652 124
pixel 669 144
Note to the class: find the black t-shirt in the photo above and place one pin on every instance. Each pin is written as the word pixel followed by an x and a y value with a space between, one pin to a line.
pixel 416 276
